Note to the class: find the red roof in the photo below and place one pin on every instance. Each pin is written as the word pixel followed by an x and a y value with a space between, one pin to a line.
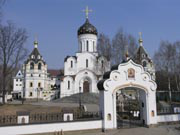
pixel 53 72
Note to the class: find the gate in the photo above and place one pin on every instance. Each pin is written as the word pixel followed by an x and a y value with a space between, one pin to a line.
pixel 129 112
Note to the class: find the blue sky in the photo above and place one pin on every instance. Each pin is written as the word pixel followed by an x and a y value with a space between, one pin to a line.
pixel 56 22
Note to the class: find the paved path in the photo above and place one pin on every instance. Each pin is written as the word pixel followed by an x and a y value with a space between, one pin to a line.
pixel 161 130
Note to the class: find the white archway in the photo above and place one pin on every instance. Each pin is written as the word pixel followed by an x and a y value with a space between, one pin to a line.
pixel 127 74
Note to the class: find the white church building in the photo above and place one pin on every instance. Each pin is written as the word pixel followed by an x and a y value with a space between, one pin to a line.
pixel 34 81
pixel 85 69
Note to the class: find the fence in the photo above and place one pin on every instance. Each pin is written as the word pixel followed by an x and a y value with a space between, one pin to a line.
pixel 166 95
pixel 167 110
pixel 39 118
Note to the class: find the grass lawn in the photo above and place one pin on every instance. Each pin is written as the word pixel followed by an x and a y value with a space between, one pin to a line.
pixel 9 109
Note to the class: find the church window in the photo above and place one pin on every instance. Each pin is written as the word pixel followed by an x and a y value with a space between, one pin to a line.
pixel 71 64
pixel 31 84
pixel 144 64
pixel 32 56
pixel 39 84
pixel 30 94
pixel 102 63
pixel 16 80
pixel 87 45
pixel 31 65
pixel 93 46
pixel 80 45
pixel 68 84
pixel 39 57
pixel 39 66
pixel 143 55
pixel 86 63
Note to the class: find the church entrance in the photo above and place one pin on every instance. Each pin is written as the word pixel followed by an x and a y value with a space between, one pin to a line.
pixel 129 107
pixel 86 87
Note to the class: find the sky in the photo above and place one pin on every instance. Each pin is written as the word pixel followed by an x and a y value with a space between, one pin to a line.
pixel 55 22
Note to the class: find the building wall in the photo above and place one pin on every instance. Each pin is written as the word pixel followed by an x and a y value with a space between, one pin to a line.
pixel 17 84
pixel 168 118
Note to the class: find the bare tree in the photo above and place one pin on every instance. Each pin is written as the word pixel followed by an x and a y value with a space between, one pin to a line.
pixel 164 60
pixel 12 51
pixel 120 44
pixel 104 46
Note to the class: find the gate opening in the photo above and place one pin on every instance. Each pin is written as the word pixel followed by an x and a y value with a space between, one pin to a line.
pixel 130 104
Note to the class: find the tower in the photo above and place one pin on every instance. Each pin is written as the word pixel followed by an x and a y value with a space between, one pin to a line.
pixel 83 71
pixel 35 74
pixel 142 57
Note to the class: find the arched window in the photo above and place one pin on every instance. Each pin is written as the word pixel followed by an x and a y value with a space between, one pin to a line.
pixel 93 46
pixel 71 64
pixel 144 64
pixel 80 49
pixel 68 84
pixel 31 84
pixel 87 45
pixel 31 65
pixel 86 63
pixel 102 63
pixel 32 56
pixel 39 66
pixel 39 84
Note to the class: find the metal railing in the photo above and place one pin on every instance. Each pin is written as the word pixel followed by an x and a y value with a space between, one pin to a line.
pixel 41 118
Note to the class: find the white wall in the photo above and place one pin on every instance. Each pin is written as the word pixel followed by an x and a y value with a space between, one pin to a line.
pixel 168 118
pixel 53 127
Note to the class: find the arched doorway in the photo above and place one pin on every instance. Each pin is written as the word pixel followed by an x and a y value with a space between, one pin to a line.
pixel 129 107
pixel 86 86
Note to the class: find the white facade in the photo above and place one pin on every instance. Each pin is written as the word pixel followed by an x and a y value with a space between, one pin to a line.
pixel 85 69
pixel 18 85
pixel 34 82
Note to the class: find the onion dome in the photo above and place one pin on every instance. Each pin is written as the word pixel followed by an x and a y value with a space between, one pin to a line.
pixel 87 28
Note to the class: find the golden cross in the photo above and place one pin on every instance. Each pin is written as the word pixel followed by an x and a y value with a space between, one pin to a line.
pixel 140 35
pixel 87 10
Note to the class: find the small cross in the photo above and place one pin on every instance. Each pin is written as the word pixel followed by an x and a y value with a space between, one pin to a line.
pixel 87 11
pixel 140 35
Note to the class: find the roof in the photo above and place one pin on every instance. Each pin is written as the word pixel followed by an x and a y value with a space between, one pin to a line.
pixel 138 56
pixel 69 57
pixel 87 28
pixel 54 72
pixel 36 55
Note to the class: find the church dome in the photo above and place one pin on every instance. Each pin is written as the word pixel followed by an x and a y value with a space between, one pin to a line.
pixel 87 28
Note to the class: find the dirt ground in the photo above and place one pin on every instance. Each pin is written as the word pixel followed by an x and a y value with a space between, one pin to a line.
pixel 12 109
pixel 160 130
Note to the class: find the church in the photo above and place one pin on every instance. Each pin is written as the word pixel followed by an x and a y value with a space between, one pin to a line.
pixel 82 71
pixel 35 81
pixel 86 68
